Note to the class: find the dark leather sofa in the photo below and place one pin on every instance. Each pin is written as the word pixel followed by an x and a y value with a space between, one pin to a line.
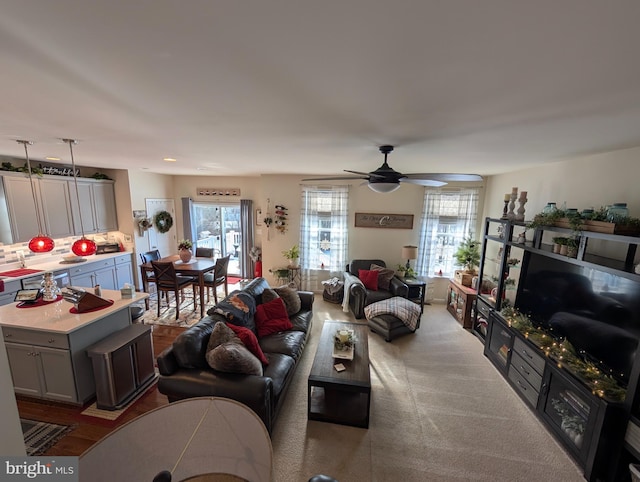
pixel 184 372
pixel 359 296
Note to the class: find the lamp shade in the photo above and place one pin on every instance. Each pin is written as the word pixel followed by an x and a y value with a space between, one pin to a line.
pixel 409 252
pixel 84 247
pixel 41 244
pixel 383 186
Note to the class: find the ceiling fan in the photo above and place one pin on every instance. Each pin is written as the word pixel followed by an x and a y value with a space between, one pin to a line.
pixel 385 179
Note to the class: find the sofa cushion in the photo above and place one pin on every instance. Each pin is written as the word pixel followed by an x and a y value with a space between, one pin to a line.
pixel 369 279
pixel 384 276
pixel 249 340
pixel 190 346
pixel 272 317
pixel 234 357
pixel 290 343
pixel 280 369
pixel 238 308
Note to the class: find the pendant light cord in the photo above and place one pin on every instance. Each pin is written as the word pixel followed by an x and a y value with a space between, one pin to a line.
pixel 33 191
pixel 75 181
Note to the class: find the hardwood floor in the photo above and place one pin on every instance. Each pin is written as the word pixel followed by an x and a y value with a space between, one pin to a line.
pixel 89 429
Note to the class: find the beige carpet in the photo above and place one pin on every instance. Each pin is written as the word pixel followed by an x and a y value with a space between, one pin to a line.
pixel 439 412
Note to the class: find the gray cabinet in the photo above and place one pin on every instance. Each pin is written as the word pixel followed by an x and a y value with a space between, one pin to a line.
pixel 90 274
pixel 11 287
pixel 124 270
pixel 97 206
pixel 54 207
pixel 57 206
pixel 42 372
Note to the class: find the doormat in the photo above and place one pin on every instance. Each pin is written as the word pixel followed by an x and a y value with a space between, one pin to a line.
pixel 39 436
pixel 112 415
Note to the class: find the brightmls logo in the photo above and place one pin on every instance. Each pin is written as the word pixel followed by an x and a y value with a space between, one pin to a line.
pixel 15 469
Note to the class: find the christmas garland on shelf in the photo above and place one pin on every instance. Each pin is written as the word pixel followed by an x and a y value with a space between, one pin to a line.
pixel 163 221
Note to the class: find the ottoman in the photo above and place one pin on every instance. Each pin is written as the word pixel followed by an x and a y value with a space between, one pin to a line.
pixel 388 326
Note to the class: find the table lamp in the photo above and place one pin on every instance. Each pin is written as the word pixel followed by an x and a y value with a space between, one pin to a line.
pixel 409 253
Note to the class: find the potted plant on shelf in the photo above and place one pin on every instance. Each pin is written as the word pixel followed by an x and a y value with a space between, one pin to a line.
pixel 558 242
pixel 184 250
pixel 572 246
pixel 293 255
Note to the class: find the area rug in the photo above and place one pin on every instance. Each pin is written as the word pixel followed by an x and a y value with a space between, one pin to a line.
pixel 187 316
pixel 39 436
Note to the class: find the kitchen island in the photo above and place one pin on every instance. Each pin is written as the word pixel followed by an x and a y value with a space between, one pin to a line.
pixel 47 345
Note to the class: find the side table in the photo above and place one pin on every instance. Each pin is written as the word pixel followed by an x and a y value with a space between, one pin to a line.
pixel 417 290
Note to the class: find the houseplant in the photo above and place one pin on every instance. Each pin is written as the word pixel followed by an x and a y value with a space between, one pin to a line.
pixel 184 250
pixel 293 255
pixel 468 254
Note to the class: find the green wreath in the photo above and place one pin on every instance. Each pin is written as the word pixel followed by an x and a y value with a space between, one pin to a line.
pixel 163 221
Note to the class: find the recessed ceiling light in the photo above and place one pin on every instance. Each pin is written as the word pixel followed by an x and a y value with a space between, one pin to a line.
pixel 169 159
pixel 52 158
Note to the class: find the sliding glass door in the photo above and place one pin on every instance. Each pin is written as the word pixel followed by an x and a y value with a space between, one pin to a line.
pixel 217 226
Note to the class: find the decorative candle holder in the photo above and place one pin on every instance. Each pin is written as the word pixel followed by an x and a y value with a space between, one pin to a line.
pixel 512 205
pixel 505 209
pixel 522 201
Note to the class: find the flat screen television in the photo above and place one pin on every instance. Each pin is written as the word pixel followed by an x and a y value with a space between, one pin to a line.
pixel 597 312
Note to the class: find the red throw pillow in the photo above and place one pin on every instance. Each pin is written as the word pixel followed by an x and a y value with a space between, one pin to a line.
pixel 271 317
pixel 369 279
pixel 248 338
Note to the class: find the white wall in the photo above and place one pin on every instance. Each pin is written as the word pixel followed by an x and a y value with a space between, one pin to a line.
pixel 591 181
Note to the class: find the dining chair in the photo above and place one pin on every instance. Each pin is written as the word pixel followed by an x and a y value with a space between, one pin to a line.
pixel 167 280
pixel 204 252
pixel 217 278
pixel 148 257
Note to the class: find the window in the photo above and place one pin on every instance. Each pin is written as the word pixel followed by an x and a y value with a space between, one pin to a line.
pixel 217 226
pixel 448 216
pixel 323 228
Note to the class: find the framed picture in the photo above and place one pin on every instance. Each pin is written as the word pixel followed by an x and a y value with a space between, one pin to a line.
pixel 385 221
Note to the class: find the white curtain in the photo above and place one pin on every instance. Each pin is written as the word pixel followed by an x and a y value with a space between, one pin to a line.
pixel 323 232
pixel 448 216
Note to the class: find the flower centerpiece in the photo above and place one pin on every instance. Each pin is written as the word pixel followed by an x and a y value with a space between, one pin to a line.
pixel 343 342
pixel 184 250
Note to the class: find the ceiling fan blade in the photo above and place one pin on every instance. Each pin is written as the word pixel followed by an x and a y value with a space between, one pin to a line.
pixel 445 177
pixel 338 178
pixel 424 182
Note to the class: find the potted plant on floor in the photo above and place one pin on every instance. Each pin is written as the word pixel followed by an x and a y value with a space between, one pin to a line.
pixel 467 256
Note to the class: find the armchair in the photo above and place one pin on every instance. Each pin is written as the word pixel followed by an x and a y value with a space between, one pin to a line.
pixel 359 296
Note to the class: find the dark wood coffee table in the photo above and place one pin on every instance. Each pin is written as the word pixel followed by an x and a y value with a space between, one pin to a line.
pixel 340 397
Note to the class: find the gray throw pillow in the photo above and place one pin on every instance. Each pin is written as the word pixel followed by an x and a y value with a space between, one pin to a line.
pixel 289 295
pixel 234 358
pixel 269 295
pixel 384 276
pixel 221 334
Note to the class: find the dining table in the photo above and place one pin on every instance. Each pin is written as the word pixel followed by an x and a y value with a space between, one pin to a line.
pixel 196 267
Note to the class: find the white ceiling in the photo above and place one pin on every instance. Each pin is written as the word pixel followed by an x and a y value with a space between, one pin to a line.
pixel 242 87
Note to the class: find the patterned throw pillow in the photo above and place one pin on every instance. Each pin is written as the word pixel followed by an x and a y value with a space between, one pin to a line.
pixel 234 358
pixel 289 295
pixel 272 317
pixel 369 279
pixel 238 308
pixel 249 340
pixel 384 276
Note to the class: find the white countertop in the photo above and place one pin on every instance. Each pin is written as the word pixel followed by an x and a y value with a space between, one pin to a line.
pixel 56 265
pixel 55 317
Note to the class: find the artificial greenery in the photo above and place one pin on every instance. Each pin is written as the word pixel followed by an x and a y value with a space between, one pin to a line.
pixel 565 355
pixel 163 221
pixel 185 244
pixel 292 253
pixel 99 175
pixel 468 254
pixel 406 272
pixel 7 166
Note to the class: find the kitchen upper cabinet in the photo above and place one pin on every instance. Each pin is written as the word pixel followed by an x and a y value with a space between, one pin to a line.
pixel 53 202
pixel 97 206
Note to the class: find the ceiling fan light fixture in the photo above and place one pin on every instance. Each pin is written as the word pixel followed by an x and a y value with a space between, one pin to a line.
pixel 383 187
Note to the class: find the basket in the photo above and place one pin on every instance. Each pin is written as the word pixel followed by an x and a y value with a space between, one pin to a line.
pixel 336 297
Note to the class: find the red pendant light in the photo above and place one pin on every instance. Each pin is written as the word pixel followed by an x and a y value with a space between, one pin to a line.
pixel 40 243
pixel 83 246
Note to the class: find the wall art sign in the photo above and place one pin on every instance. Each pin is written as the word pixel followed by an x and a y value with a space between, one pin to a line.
pixel 389 221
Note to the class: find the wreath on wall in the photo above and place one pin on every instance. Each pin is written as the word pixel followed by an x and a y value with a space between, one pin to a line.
pixel 163 221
